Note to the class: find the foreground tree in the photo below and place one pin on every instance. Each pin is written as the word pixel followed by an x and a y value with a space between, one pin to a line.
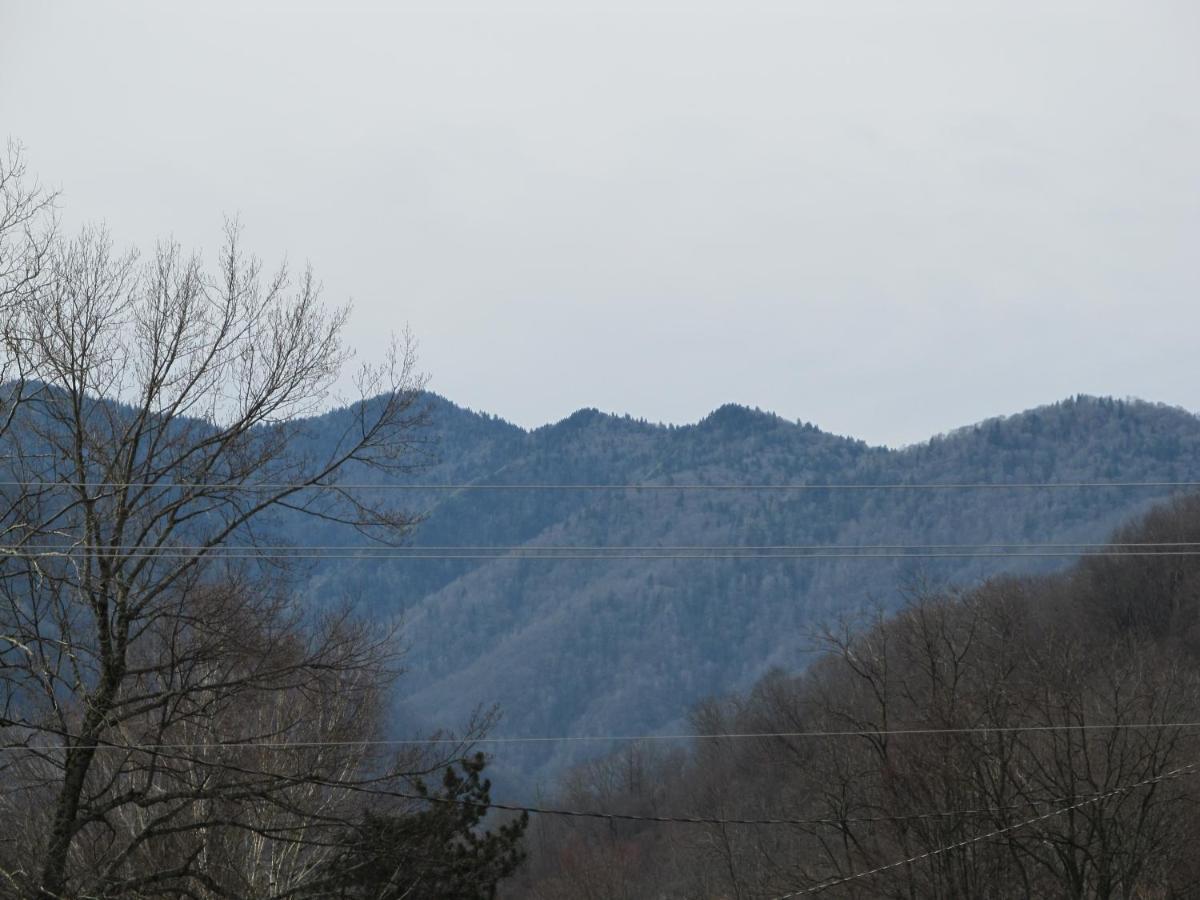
pixel 175 722
pixel 438 854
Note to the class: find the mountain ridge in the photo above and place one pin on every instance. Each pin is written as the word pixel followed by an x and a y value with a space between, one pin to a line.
pixel 722 411
pixel 626 646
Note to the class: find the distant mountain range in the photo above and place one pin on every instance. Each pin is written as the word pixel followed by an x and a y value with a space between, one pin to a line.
pixel 625 646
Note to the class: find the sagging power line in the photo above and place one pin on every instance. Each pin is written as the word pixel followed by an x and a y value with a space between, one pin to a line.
pixel 604 815
pixel 1189 769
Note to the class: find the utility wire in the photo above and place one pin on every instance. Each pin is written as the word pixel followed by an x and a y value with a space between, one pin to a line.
pixel 825 885
pixel 682 820
pixel 598 552
pixel 697 548
pixel 476 486
pixel 840 822
pixel 550 739
pixel 685 820
pixel 616 554
pixel 709 820
pixel 704 820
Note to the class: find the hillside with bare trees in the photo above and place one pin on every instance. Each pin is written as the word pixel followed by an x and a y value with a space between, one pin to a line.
pixel 1029 737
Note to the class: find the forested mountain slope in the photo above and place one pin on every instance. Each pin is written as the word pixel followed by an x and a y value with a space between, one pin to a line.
pixel 1026 737
pixel 594 647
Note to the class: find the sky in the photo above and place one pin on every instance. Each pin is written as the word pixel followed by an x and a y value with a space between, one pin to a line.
pixel 887 218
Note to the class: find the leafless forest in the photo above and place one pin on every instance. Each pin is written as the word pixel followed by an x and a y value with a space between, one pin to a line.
pixel 1032 737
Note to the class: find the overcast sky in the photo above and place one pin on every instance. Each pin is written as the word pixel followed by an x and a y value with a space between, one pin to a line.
pixel 887 218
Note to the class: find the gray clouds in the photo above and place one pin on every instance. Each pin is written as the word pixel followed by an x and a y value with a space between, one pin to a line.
pixel 889 218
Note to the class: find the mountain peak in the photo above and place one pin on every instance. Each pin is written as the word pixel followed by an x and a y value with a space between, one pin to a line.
pixel 736 415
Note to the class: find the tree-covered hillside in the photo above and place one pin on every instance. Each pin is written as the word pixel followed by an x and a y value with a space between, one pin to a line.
pixel 595 647
pixel 1032 736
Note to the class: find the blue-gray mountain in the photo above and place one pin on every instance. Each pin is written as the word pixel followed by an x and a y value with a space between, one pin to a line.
pixel 586 647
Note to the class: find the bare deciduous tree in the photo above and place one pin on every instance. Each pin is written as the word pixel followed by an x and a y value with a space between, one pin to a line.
pixel 185 727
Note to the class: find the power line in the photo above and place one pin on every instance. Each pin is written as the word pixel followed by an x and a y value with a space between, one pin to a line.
pixel 709 820
pixel 545 486
pixel 840 822
pixel 683 820
pixel 614 738
pixel 704 820
pixel 662 819
pixel 815 889
pixel 533 554
pixel 697 548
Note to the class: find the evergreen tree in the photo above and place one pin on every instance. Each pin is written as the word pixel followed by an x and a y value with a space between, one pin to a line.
pixel 439 853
